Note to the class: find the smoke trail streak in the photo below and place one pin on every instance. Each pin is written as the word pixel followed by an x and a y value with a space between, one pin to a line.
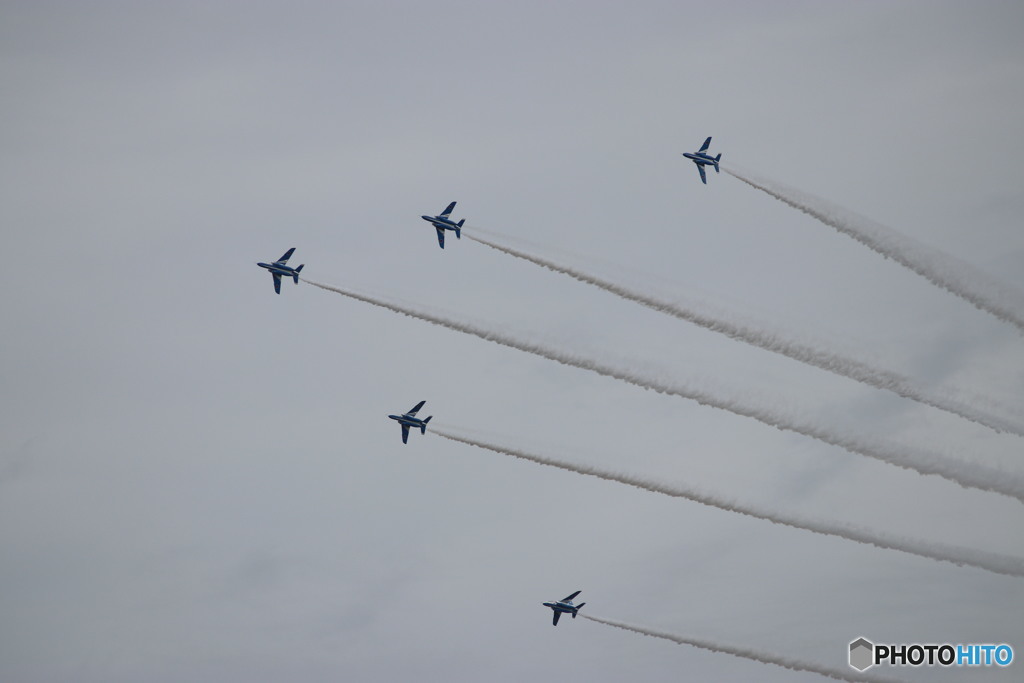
pixel 968 475
pixel 941 269
pixel 773 341
pixel 993 562
pixel 746 653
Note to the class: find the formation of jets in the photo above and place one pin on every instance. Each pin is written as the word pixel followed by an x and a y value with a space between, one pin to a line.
pixel 443 220
pixel 409 419
pixel 564 606
pixel 281 268
pixel 702 159
pixel 441 223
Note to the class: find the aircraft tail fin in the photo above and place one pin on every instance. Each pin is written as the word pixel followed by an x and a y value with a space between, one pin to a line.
pixel 423 427
pixel 296 276
pixel 717 159
pixel 458 230
pixel 578 608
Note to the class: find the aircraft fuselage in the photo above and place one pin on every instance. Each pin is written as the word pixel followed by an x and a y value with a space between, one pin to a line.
pixel 286 271
pixel 561 606
pixel 699 158
pixel 442 223
pixel 408 421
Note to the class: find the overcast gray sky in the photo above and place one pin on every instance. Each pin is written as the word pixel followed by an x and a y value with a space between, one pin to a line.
pixel 198 480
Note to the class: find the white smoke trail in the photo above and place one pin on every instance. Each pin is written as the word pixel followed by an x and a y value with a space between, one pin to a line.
pixel 839 674
pixel 968 475
pixel 993 562
pixel 941 269
pixel 775 342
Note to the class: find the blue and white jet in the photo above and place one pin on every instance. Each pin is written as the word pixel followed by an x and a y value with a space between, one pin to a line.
pixel 410 420
pixel 280 268
pixel 702 159
pixel 442 222
pixel 565 606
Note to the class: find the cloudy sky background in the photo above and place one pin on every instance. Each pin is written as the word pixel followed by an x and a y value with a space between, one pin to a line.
pixel 198 480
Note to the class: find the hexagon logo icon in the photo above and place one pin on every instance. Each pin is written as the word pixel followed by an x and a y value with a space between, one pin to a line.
pixel 862 654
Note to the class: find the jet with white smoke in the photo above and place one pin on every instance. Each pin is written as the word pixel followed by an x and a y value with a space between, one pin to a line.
pixel 966 474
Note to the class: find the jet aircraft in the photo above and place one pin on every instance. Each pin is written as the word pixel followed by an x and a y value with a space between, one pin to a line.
pixel 410 420
pixel 442 222
pixel 280 267
pixel 702 159
pixel 565 606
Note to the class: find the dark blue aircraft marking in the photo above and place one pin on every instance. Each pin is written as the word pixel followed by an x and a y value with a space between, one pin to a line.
pixel 442 222
pixel 564 606
pixel 702 159
pixel 409 419
pixel 280 268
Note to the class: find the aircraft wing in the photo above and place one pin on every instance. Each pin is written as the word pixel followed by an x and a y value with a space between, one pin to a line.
pixel 703 175
pixel 440 236
pixel 451 207
pixel 277 282
pixel 405 433
pixel 415 408
pixel 554 622
pixel 567 599
pixel 287 255
pixel 704 147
